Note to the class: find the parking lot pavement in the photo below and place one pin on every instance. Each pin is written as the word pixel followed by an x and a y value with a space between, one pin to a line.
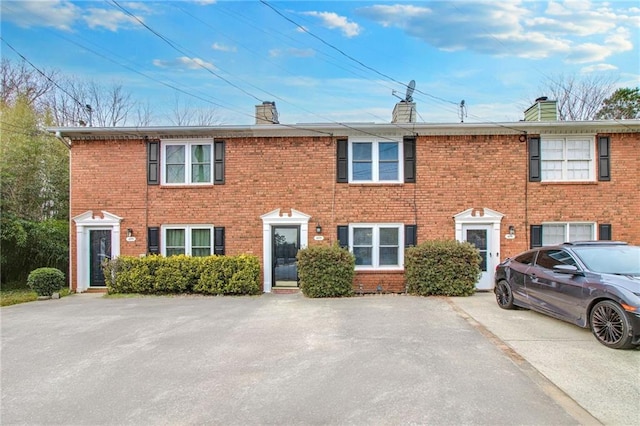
pixel 270 359
pixel 604 381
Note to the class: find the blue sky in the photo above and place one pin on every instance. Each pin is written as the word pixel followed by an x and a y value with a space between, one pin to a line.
pixel 331 61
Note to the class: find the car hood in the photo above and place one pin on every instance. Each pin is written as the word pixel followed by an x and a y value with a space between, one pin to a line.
pixel 628 282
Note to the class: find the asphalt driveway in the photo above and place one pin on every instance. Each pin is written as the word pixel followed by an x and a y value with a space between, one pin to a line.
pixel 271 359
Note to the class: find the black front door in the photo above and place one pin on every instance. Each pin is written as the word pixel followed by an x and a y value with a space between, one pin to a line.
pixel 286 242
pixel 100 249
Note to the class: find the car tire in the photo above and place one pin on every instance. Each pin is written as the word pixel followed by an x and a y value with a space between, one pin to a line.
pixel 504 295
pixel 610 325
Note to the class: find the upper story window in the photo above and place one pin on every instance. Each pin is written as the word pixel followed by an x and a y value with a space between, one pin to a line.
pixel 187 162
pixel 377 246
pixel 567 159
pixel 375 161
pixel 192 240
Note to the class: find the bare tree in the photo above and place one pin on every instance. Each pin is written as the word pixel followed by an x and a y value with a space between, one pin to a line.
pixel 111 105
pixel 21 80
pixel 143 114
pixel 91 104
pixel 578 98
pixel 184 115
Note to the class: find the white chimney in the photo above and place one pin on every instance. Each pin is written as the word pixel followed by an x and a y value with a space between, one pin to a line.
pixel 266 113
pixel 404 112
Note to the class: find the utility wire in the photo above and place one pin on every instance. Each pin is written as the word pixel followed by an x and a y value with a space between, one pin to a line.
pixel 42 73
pixel 180 50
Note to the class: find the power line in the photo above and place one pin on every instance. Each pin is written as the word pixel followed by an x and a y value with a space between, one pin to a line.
pixel 42 73
pixel 180 50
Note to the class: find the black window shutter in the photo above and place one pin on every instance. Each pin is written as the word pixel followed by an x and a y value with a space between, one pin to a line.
pixel 342 161
pixel 604 232
pixel 410 235
pixel 534 159
pixel 343 236
pixel 218 240
pixel 536 236
pixel 409 160
pixel 218 162
pixel 604 172
pixel 153 163
pixel 153 240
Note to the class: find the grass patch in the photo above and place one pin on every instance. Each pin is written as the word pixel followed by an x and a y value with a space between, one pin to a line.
pixel 123 295
pixel 15 293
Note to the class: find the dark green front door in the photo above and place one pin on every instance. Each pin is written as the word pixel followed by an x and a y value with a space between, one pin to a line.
pixel 100 250
pixel 286 243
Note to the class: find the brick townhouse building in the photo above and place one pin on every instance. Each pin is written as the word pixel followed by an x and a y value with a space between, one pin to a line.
pixel 269 189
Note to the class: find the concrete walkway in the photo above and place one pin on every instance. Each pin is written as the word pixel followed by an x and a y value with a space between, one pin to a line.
pixel 604 381
pixel 286 359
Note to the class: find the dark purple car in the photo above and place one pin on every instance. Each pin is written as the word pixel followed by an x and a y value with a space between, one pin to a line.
pixel 592 284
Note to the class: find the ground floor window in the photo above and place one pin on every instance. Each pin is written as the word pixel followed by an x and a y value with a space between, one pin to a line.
pixel 192 240
pixel 558 233
pixel 377 246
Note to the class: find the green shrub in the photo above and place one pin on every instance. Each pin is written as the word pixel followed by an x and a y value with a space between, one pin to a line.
pixel 183 274
pixel 326 271
pixel 176 274
pixel 446 268
pixel 229 275
pixel 46 281
pixel 28 245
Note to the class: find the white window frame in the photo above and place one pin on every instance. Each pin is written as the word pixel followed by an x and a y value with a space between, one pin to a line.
pixel 567 232
pixel 375 159
pixel 375 255
pixel 187 237
pixel 187 166
pixel 565 161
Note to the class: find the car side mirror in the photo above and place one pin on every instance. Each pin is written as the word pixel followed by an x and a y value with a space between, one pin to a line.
pixel 567 269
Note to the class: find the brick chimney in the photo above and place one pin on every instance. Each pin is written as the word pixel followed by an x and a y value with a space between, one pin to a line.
pixel 542 110
pixel 404 112
pixel 266 113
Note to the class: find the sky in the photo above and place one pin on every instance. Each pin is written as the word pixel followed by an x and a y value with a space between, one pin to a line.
pixel 328 61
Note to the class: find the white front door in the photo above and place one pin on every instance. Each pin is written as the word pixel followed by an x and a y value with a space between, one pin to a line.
pixel 480 237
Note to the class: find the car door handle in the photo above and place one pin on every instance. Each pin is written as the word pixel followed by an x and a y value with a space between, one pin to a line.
pixel 533 278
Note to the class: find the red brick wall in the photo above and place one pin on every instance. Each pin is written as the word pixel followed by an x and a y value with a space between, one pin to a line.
pixel 454 173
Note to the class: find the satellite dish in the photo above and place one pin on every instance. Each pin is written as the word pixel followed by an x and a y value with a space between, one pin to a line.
pixel 410 88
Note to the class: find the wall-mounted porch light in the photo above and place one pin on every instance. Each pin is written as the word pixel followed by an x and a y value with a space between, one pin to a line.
pixel 318 228
pixel 512 230
pixel 129 232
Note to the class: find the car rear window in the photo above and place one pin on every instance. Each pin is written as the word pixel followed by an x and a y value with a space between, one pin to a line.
pixel 526 258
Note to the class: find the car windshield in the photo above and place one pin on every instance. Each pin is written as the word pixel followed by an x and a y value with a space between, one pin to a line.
pixel 624 260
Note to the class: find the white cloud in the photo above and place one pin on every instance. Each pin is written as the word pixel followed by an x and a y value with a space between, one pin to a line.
pixel 333 20
pixel 184 62
pixel 67 16
pixel 576 30
pixel 56 13
pixel 598 68
pixel 223 48
pixel 110 19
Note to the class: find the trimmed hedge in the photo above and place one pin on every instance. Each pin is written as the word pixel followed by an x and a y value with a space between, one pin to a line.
pixel 46 281
pixel 183 274
pixel 326 271
pixel 443 267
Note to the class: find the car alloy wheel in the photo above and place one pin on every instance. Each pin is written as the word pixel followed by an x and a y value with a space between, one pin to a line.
pixel 504 295
pixel 610 325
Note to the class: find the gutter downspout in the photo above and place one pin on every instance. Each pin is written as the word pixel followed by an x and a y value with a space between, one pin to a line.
pixel 58 135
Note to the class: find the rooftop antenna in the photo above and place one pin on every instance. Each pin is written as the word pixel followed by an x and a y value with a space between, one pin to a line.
pixel 408 97
pixel 463 111
pixel 89 110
